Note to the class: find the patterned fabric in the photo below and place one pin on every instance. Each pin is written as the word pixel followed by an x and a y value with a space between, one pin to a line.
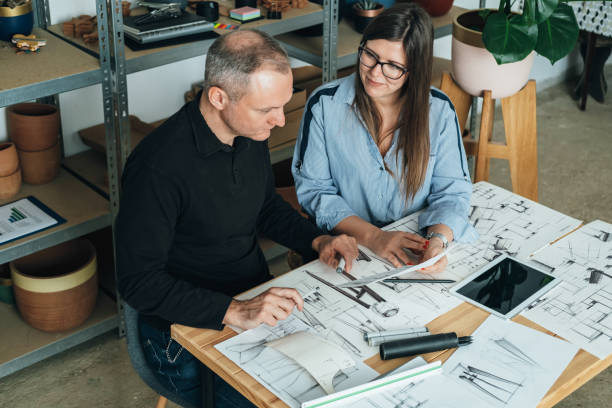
pixel 594 16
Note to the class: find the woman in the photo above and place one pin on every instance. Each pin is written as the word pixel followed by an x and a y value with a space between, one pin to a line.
pixel 380 144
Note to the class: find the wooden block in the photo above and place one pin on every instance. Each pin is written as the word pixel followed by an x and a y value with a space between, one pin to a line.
pixel 95 136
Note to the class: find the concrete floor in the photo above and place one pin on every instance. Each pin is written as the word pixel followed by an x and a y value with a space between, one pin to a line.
pixel 575 177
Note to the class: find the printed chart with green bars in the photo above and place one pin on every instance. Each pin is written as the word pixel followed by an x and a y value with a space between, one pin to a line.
pixel 16 215
pixel 24 217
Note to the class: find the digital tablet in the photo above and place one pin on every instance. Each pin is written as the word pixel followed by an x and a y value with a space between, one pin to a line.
pixel 504 287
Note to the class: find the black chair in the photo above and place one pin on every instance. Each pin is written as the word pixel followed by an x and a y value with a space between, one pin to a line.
pixel 140 363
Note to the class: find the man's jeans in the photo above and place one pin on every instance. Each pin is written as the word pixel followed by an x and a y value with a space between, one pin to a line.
pixel 179 371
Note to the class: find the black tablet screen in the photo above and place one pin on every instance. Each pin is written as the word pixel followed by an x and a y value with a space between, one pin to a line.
pixel 505 285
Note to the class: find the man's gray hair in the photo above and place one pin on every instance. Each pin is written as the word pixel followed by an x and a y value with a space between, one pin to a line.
pixel 233 57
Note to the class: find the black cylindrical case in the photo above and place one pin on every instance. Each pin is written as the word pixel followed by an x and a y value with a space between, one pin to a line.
pixel 418 345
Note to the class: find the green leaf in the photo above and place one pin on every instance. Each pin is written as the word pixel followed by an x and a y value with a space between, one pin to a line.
pixel 557 36
pixel 543 9
pixel 509 41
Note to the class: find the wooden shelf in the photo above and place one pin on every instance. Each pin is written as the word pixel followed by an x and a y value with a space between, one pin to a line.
pixel 293 19
pixel 85 211
pixel 57 67
pixel 23 345
pixel 309 48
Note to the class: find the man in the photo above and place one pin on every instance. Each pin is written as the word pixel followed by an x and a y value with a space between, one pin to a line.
pixel 196 192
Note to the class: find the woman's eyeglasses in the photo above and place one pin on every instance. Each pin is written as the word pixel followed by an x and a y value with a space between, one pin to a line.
pixel 389 69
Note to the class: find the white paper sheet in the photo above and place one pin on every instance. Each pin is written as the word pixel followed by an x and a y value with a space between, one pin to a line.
pixel 321 358
pixel 508 364
pixel 580 308
pixel 280 374
pixel 393 272
pixel 344 321
pixel 379 387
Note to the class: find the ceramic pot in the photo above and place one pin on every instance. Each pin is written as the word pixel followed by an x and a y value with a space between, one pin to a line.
pixel 474 67
pixel 56 288
pixel 435 8
pixel 10 185
pixel 9 161
pixel 363 17
pixel 40 167
pixel 18 20
pixel 33 126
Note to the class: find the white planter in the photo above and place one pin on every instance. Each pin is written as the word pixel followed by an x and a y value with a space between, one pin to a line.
pixel 475 69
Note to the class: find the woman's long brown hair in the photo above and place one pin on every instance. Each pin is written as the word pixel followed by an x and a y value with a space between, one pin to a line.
pixel 410 24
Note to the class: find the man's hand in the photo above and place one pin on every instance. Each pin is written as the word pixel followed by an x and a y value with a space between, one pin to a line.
pixel 332 248
pixel 434 248
pixel 390 245
pixel 269 307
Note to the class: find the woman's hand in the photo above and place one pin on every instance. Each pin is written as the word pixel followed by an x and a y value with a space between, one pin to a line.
pixel 434 248
pixel 391 244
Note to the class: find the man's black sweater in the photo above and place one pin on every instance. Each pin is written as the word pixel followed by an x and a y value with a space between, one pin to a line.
pixel 191 209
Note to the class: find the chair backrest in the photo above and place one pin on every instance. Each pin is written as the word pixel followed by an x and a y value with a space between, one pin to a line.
pixel 138 359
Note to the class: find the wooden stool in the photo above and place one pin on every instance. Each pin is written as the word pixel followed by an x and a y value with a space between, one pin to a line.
pixel 520 149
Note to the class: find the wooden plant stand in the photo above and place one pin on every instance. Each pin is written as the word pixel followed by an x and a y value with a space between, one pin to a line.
pixel 520 149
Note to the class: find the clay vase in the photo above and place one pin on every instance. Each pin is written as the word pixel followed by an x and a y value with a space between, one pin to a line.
pixel 33 126
pixel 475 68
pixel 9 162
pixel 435 8
pixel 10 185
pixel 40 167
pixel 56 288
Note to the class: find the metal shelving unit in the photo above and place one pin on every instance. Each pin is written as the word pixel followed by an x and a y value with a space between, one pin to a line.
pixel 309 49
pixel 80 193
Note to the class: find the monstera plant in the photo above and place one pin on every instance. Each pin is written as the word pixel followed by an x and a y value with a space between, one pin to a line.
pixel 547 26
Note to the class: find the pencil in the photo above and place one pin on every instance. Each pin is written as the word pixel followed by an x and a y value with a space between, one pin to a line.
pixel 398 280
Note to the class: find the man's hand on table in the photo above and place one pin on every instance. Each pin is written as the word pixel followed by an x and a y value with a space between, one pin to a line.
pixel 332 248
pixel 269 307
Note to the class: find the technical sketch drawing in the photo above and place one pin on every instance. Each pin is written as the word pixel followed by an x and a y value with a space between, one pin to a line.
pixel 509 364
pixel 280 374
pixel 580 308
pixel 488 383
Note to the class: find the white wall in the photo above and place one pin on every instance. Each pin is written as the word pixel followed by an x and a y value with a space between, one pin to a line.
pixel 157 93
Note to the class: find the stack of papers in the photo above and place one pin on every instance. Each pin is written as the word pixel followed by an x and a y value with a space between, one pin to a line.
pixel 245 13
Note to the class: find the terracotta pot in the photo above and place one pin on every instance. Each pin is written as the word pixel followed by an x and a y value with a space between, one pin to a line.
pixel 56 288
pixel 435 8
pixel 474 67
pixel 40 167
pixel 33 126
pixel 8 159
pixel 10 185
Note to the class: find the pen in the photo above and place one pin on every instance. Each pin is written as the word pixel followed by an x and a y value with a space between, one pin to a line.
pixel 341 265
pixel 398 280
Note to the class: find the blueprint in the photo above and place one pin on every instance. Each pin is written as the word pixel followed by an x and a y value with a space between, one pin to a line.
pixel 580 308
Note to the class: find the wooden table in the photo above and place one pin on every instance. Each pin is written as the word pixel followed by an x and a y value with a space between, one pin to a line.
pixel 464 320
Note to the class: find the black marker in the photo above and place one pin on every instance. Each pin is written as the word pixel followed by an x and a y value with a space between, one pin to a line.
pixel 422 345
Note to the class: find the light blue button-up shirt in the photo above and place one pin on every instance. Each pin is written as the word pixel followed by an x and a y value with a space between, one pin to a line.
pixel 339 171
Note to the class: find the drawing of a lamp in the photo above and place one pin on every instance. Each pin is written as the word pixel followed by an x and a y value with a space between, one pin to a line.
pixel 381 306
